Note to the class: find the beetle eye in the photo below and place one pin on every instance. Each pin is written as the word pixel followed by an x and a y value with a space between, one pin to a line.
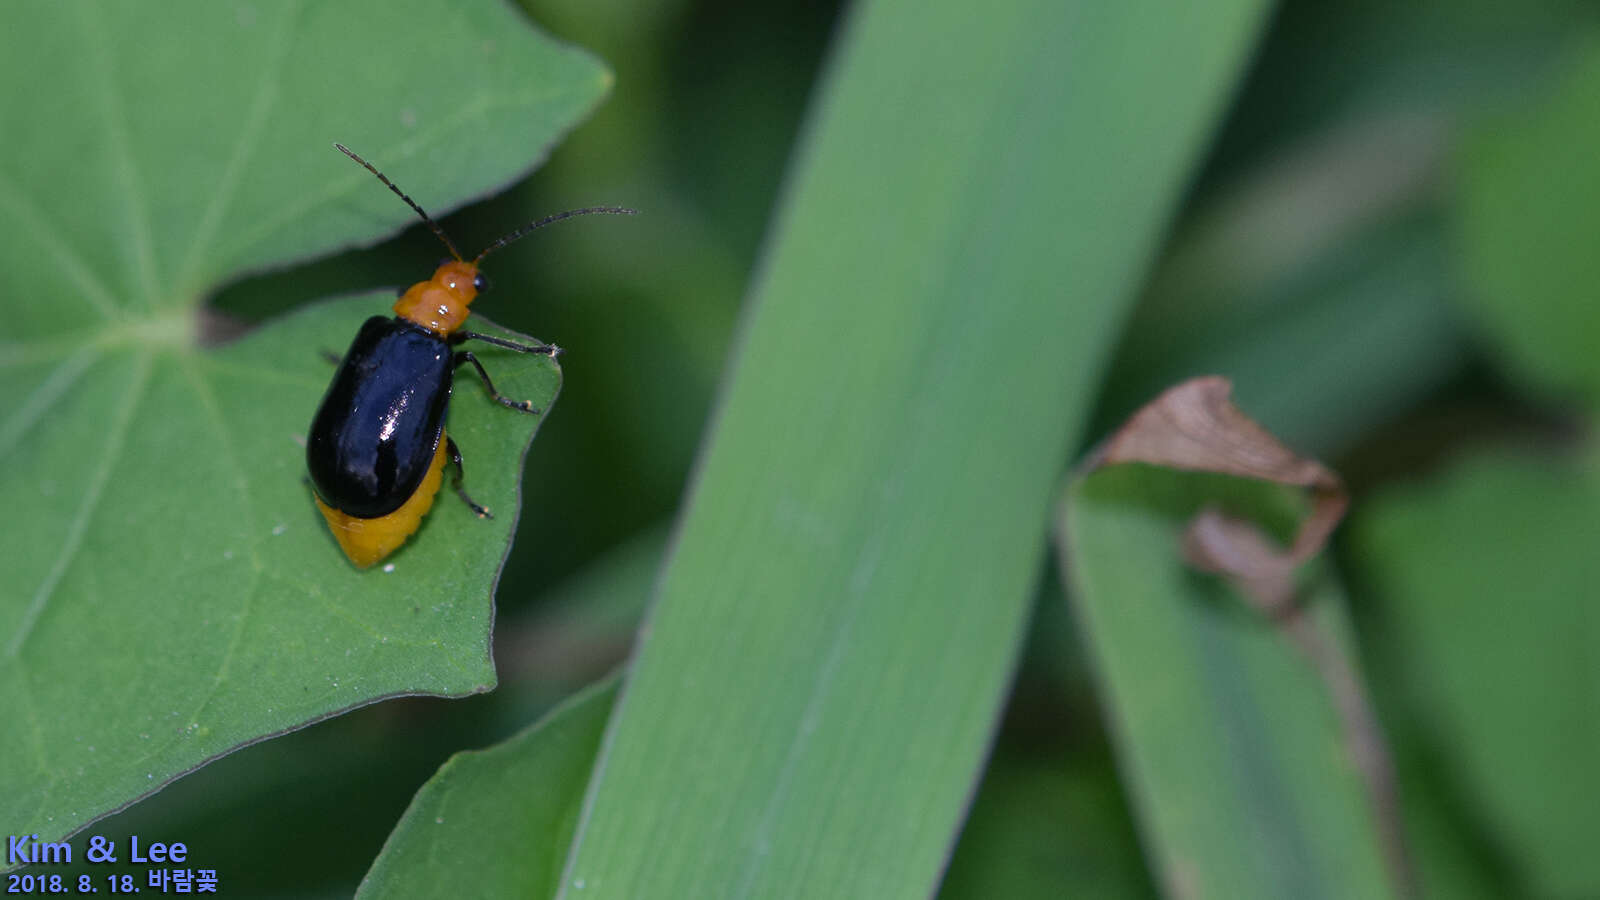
pixel 480 282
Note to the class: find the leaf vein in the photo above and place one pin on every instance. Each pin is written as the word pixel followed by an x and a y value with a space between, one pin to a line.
pixel 122 156
pixel 52 389
pixel 67 259
pixel 36 730
pixel 261 107
pixel 116 435
pixel 230 456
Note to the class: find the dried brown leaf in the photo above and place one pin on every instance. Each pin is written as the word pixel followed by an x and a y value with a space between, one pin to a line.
pixel 1194 426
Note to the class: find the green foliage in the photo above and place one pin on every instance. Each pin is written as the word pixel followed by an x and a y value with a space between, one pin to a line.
pixel 1490 574
pixel 1486 574
pixel 970 276
pixel 1530 211
pixel 174 593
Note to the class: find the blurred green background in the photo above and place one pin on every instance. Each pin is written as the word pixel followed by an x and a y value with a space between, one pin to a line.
pixel 1389 248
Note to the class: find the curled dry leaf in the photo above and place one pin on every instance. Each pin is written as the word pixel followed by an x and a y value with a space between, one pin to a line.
pixel 1194 426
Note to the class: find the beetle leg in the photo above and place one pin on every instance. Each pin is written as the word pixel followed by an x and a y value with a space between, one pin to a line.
pixel 333 358
pixel 550 350
pixel 465 356
pixel 450 447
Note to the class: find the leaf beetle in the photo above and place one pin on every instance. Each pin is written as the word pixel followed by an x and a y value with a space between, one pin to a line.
pixel 377 448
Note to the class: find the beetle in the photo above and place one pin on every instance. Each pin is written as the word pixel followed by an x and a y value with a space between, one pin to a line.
pixel 377 448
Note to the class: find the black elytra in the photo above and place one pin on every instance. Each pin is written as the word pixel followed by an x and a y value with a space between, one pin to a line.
pixel 375 435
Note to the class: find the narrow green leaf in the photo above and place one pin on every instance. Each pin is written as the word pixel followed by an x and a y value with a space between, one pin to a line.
pixel 1530 209
pixel 172 593
pixel 831 640
pixel 1240 775
pixel 1488 579
pixel 496 822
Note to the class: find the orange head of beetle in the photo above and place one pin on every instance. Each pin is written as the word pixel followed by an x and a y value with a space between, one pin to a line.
pixel 440 303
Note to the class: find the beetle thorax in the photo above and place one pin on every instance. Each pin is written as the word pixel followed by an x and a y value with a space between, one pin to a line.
pixel 440 303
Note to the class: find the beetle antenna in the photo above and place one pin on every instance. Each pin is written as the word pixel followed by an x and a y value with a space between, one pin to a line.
pixel 402 195
pixel 551 220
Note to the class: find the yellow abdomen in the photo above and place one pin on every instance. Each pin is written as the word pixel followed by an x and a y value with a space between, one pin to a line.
pixel 367 541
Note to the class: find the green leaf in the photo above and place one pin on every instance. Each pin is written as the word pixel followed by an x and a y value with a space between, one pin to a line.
pixel 1487 579
pixel 173 593
pixel 496 822
pixel 833 634
pixel 177 157
pixel 1233 755
pixel 1529 212
pixel 198 601
pixel 328 796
